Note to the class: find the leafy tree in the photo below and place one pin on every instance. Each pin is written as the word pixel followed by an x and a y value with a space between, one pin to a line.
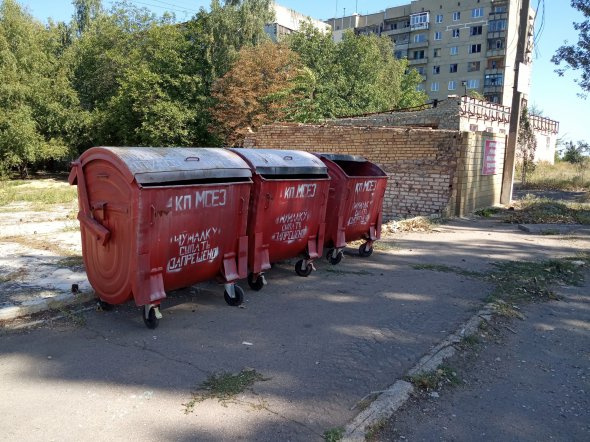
pixel 576 153
pixel 39 111
pixel 258 89
pixel 577 57
pixel 526 146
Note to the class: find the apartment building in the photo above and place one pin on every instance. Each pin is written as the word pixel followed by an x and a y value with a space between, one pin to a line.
pixel 457 46
pixel 288 21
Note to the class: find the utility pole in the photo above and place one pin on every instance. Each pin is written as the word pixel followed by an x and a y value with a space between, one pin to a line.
pixel 509 159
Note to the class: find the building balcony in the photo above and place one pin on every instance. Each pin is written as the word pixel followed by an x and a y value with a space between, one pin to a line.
pixel 496 53
pixel 416 61
pixel 498 15
pixel 420 26
pixel 496 34
pixel 492 89
pixel 396 31
pixel 420 44
pixel 494 71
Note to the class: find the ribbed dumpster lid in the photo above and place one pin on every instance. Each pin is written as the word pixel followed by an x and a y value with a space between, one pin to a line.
pixel 342 157
pixel 282 162
pixel 151 165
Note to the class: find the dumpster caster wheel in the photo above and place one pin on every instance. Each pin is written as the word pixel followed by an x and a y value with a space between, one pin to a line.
pixel 334 259
pixel 151 316
pixel 365 251
pixel 256 283
pixel 103 306
pixel 237 300
pixel 300 270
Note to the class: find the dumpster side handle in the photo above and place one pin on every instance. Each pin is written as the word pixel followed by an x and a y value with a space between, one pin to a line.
pixel 85 217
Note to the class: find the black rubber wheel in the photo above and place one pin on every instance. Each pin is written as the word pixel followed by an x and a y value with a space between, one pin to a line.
pixel 151 321
pixel 335 260
pixel 364 252
pixel 329 254
pixel 255 284
pixel 234 302
pixel 301 271
pixel 104 306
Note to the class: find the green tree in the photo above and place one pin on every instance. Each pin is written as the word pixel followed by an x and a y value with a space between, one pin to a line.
pixel 577 57
pixel 576 153
pixel 39 111
pixel 526 146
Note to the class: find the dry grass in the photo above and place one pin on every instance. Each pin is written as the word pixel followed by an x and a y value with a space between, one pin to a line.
pixel 39 192
pixel 534 210
pixel 559 176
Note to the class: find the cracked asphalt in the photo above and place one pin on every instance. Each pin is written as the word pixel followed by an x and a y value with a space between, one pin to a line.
pixel 323 343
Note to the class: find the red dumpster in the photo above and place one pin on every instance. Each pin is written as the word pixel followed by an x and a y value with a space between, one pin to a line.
pixel 159 219
pixel 355 204
pixel 287 210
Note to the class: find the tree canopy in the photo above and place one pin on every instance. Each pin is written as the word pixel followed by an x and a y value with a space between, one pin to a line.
pixel 577 57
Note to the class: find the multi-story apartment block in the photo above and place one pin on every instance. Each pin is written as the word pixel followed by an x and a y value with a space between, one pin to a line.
pixel 457 46
pixel 288 21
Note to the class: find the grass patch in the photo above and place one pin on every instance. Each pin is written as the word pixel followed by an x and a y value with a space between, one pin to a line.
pixel 443 375
pixel 533 210
pixel 447 269
pixel 488 211
pixel 523 281
pixel 333 434
pixel 559 176
pixel 470 340
pixel 40 192
pixel 337 271
pixel 75 317
pixel 375 429
pixel 71 261
pixel 224 387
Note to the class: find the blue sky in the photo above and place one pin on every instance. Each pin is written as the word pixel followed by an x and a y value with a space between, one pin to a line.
pixel 556 96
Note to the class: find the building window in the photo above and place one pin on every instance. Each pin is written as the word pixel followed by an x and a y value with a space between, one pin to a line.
pixel 473 84
pixel 498 9
pixel 421 70
pixel 473 66
pixel 399 54
pixel 456 33
pixel 476 12
pixel 438 35
pixel 434 86
pixel 494 80
pixel 439 18
pixel 453 68
pixel 418 55
pixel 475 30
pixel 435 70
pixel 419 21
pixel 419 38
pixel 497 25
pixel 456 16
pixel 436 53
pixel 454 50
pixel 452 85
pixel 498 44
pixel 475 48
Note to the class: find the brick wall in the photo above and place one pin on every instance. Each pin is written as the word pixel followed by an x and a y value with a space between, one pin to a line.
pixel 421 163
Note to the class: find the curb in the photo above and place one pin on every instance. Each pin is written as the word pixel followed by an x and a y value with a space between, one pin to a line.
pixel 390 400
pixel 38 305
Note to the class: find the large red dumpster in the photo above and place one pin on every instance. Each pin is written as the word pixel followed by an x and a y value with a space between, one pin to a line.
pixel 159 219
pixel 355 204
pixel 287 210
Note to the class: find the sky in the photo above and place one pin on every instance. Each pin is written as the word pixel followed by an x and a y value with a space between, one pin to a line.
pixel 555 96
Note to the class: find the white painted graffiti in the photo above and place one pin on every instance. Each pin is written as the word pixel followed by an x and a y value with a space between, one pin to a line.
pixel 360 214
pixel 300 191
pixel 193 248
pixel 200 199
pixel 367 186
pixel 292 226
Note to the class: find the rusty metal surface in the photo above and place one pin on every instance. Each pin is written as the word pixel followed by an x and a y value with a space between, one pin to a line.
pixel 355 203
pixel 159 238
pixel 282 162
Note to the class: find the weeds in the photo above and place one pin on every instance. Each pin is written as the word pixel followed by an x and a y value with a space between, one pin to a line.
pixel 447 269
pixel 224 387
pixel 76 317
pixel 533 210
pixel 374 429
pixel 470 340
pixel 71 261
pixel 488 211
pixel 334 434
pixel 338 271
pixel 559 176
pixel 443 375
pixel 39 192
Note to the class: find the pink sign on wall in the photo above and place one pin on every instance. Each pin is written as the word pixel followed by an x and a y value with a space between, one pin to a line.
pixel 490 160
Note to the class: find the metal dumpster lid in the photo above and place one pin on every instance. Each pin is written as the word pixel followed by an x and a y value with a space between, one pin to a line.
pixel 342 157
pixel 282 162
pixel 150 165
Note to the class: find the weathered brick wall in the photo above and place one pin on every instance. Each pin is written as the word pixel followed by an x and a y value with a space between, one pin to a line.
pixel 446 115
pixel 421 163
pixel 474 189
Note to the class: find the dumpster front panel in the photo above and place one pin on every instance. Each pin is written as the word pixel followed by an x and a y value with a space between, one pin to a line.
pixel 287 219
pixel 191 230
